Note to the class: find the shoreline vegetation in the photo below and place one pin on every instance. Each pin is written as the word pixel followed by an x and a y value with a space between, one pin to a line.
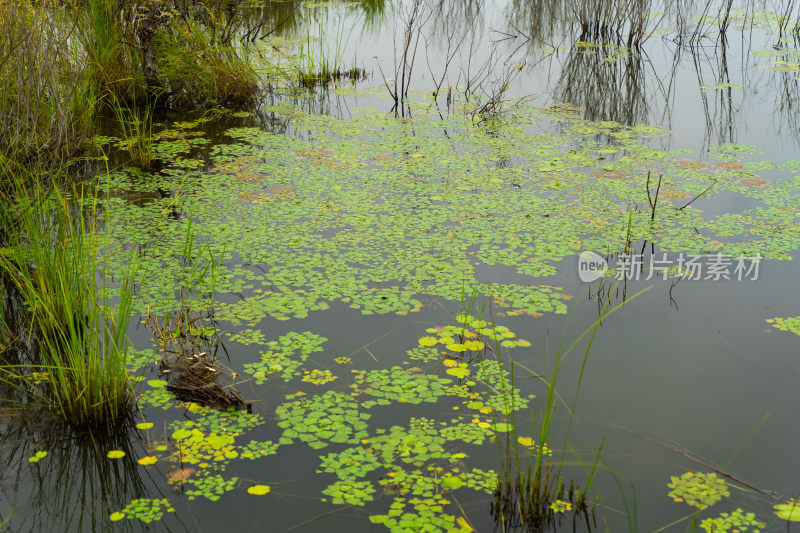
pixel 66 64
pixel 63 67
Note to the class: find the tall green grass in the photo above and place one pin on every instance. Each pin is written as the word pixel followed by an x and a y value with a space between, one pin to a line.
pixel 114 58
pixel 136 125
pixel 188 330
pixel 531 489
pixel 53 256
pixel 320 62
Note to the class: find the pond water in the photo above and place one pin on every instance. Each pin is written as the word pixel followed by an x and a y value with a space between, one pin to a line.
pixel 366 265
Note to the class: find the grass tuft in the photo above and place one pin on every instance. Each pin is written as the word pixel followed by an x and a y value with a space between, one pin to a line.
pixel 196 69
pixel 531 492
pixel 78 317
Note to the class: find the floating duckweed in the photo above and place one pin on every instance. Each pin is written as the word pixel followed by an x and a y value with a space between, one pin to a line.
pixel 285 356
pixel 394 259
pixel 318 377
pixel 350 491
pixel 698 489
pixel 145 509
pixel 736 522
pixel 791 324
pixel 257 449
pixel 423 354
pixel 210 486
pixel 332 417
pixel 398 384
pixel 249 336
pixel 560 506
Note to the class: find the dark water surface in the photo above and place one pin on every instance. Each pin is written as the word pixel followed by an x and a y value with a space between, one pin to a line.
pixel 683 378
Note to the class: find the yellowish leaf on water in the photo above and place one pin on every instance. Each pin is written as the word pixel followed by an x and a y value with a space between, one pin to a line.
pixel 258 490
pixel 148 460
pixel 526 441
pixel 428 341
pixel 115 454
pixel 463 524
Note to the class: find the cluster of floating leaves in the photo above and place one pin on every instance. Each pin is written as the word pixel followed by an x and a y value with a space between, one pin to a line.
pixel 698 489
pixel 382 215
pixel 199 449
pixel 419 464
pixel 350 491
pixel 427 515
pixel 249 336
pixel 285 356
pixel 332 417
pixel 735 521
pixel 38 456
pixel 790 324
pixel 560 506
pixel 388 212
pixel 398 384
pixel 703 490
pixel 318 377
pixel 145 509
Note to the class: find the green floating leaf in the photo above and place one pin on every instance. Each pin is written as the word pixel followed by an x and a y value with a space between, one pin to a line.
pixel 460 372
pixel 452 482
pixel 789 511
pixel 428 341
pixel 37 456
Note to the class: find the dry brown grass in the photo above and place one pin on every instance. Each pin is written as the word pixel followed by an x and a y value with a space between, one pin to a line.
pixel 46 102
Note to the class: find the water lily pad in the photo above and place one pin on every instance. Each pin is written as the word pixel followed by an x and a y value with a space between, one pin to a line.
pixel 428 341
pixel 460 372
pixel 41 454
pixel 789 511
pixel 258 490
